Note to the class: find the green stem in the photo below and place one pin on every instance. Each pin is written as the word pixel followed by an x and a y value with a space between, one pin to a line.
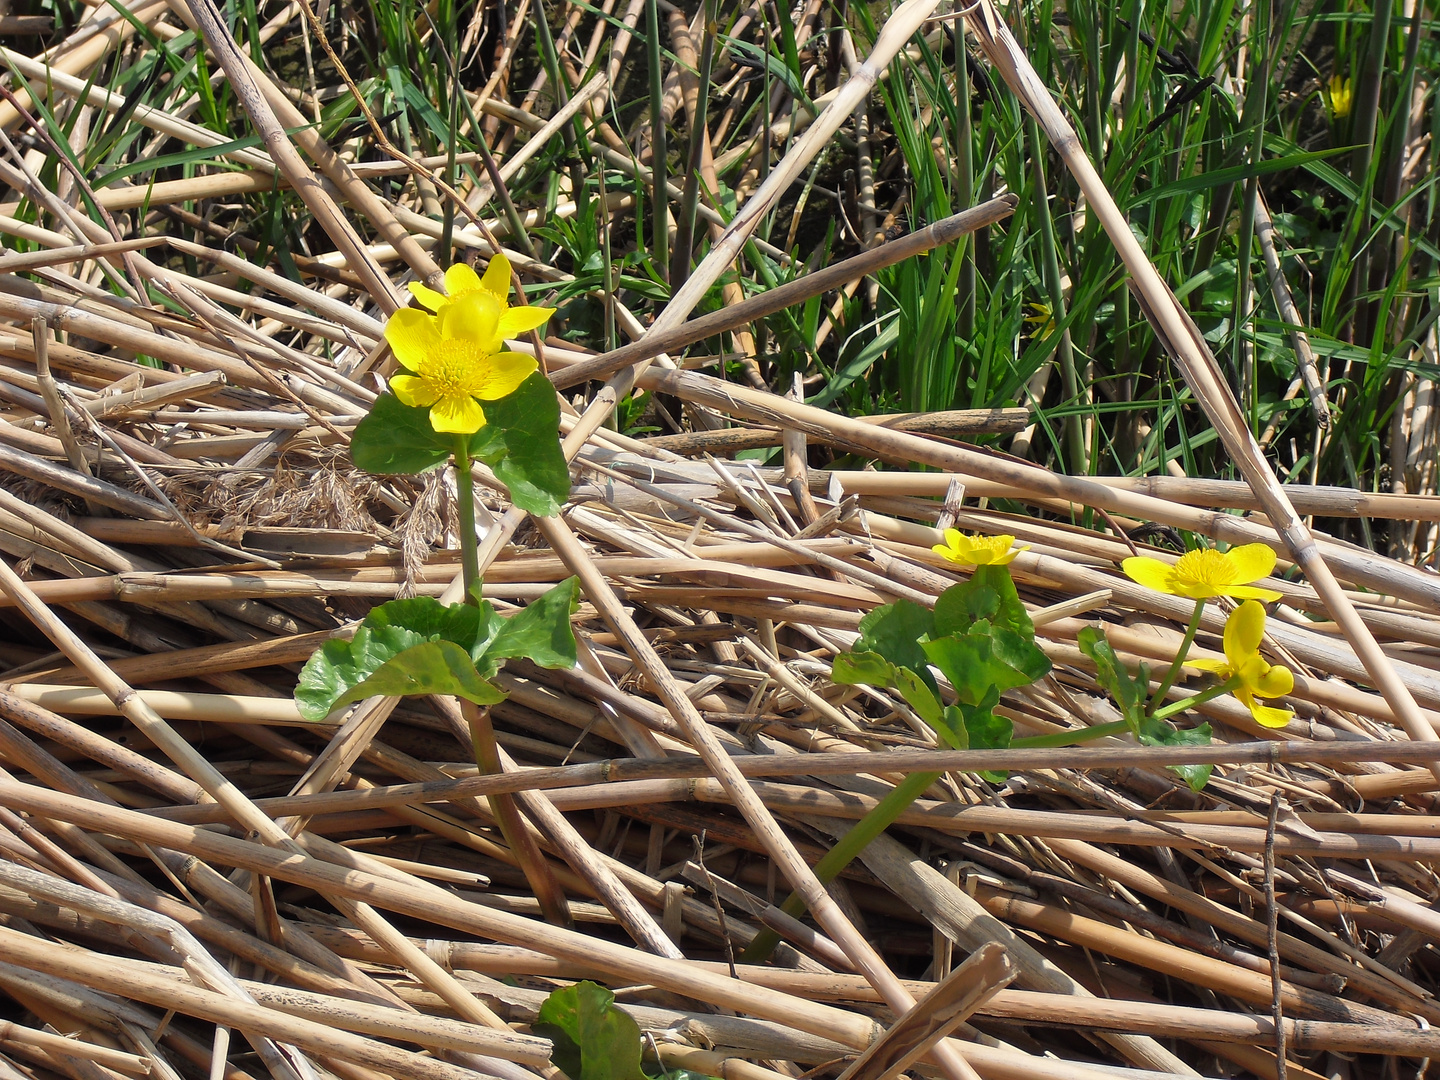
pixel 1166 711
pixel 845 851
pixel 1174 672
pixel 465 497
pixel 527 854
pixel 1071 738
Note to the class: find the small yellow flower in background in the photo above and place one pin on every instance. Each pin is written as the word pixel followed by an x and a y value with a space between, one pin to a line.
pixel 456 358
pixel 1041 319
pixel 1257 677
pixel 1338 97
pixel 1205 573
pixel 978 550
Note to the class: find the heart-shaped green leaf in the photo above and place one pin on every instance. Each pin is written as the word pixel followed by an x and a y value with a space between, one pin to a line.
pixel 433 667
pixel 396 439
pixel 541 632
pixel 894 631
pixel 521 443
pixel 593 1039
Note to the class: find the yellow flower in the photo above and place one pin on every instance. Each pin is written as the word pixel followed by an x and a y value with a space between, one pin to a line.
pixel 978 550
pixel 1257 677
pixel 456 357
pixel 1205 573
pixel 1040 320
pixel 1339 97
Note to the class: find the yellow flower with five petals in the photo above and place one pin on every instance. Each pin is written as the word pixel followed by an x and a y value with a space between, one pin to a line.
pixel 456 357
pixel 978 550
pixel 1254 676
pixel 1206 572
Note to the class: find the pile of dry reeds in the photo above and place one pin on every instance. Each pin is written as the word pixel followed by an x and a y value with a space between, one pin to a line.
pixel 184 859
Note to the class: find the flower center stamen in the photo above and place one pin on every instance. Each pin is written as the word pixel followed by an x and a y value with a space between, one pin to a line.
pixel 1204 567
pixel 455 368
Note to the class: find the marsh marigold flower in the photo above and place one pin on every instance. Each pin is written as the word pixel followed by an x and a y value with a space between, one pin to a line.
pixel 456 357
pixel 1339 97
pixel 1257 677
pixel 978 550
pixel 1202 574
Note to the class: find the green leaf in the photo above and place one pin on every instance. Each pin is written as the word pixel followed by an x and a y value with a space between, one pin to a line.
pixel 593 1039
pixel 953 729
pixel 894 631
pixel 1010 611
pixel 977 662
pixel 1127 693
pixel 432 667
pixel 396 439
pixel 916 691
pixel 989 594
pixel 345 671
pixel 861 667
pixel 986 731
pixel 521 442
pixel 1163 733
pixel 1130 695
pixel 465 624
pixel 540 632
pixel 1019 652
pixel 338 666
pixel 210 155
pixel 392 660
pixel 958 607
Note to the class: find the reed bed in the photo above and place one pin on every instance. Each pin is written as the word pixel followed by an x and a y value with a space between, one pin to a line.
pixel 196 882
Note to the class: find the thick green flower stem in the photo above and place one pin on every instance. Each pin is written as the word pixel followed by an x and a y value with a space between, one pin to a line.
pixel 1071 738
pixel 1167 711
pixel 482 735
pixel 528 855
pixel 465 498
pixel 846 851
pixel 1174 672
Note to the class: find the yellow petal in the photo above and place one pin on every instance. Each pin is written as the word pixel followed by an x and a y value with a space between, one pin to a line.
pixel 459 414
pixel 1243 631
pixel 1009 556
pixel 427 296
pixel 472 316
pixel 953 549
pixel 413 335
pixel 517 320
pixel 497 277
pixel 461 278
pixel 1218 667
pixel 504 373
pixel 1250 562
pixel 1276 682
pixel 413 391
pixel 1250 592
pixel 1271 718
pixel 1152 573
